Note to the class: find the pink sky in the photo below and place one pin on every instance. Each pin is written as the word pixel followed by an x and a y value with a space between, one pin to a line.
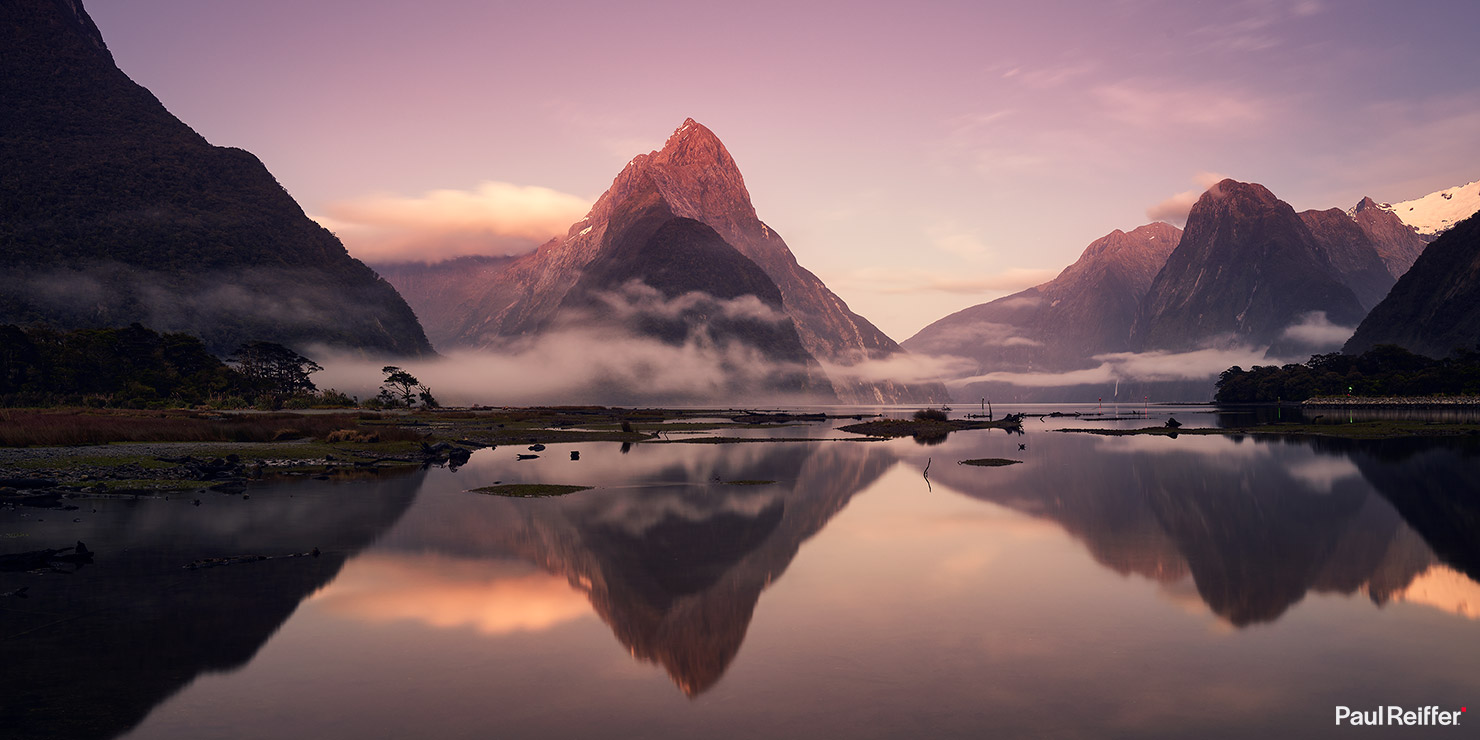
pixel 919 158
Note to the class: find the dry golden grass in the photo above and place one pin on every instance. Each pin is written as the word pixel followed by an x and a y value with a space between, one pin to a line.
pixel 64 427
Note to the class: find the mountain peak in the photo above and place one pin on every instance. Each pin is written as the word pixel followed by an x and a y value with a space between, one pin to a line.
pixel 693 145
pixel 1246 268
pixel 1366 204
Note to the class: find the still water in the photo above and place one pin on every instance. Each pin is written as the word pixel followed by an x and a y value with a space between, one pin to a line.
pixel 1104 587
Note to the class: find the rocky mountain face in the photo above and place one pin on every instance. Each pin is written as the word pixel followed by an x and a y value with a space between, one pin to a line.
pixel 1398 243
pixel 112 211
pixel 1246 270
pixel 1352 253
pixel 1087 310
pixel 1435 307
pixel 676 280
pixel 694 177
pixel 440 293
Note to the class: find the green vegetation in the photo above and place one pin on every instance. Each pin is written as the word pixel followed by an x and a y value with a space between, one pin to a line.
pixel 401 389
pixel 137 368
pixel 275 369
pixel 931 415
pixel 1385 370
pixel 529 490
pixel 990 462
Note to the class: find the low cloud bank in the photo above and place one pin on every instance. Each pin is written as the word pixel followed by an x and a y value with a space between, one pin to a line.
pixel 1157 366
pixel 583 366
pixel 903 367
pixel 638 299
pixel 1316 332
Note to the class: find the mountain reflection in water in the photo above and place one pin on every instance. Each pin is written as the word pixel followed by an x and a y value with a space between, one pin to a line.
pixel 674 561
pixel 847 597
pixel 88 654
pixel 1255 523
pixel 675 565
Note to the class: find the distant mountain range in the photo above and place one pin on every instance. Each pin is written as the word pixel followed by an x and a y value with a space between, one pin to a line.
pixel 1087 310
pixel 112 211
pixel 1248 271
pixel 691 179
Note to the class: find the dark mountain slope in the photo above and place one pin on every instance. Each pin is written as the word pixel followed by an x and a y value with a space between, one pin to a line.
pixel 1435 307
pixel 1352 253
pixel 112 211
pixel 1247 268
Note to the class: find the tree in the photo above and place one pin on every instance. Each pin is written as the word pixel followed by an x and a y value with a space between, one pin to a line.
pixel 275 368
pixel 401 388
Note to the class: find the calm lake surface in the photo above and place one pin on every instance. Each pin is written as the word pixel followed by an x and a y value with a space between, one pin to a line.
pixel 1104 587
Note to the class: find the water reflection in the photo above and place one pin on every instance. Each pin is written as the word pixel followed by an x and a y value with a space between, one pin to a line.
pixel 1257 524
pixel 674 561
pixel 89 654
pixel 668 554
pixel 944 611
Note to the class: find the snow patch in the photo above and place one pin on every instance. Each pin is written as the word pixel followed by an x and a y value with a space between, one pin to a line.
pixel 1439 210
pixel 587 230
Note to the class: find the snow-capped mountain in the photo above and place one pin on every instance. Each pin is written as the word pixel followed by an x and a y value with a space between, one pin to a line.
pixel 1434 213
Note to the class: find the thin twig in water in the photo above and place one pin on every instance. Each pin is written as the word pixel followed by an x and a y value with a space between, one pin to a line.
pixel 927 475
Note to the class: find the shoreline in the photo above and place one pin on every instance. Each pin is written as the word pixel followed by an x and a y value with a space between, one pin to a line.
pixel 1392 402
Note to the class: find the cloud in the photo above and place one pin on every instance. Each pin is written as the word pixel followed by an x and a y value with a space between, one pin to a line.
pixel 591 355
pixel 1022 301
pixel 1157 366
pixel 1042 78
pixel 1163 108
pixel 1174 210
pixel 883 280
pixel 972 334
pixel 578 366
pixel 494 218
pixel 637 299
pixel 1317 332
pixel 959 243
pixel 902 367
pixel 1255 26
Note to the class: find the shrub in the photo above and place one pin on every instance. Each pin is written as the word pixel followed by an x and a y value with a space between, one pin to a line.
pixel 930 415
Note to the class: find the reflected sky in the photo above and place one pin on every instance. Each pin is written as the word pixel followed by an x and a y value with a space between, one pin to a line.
pixel 1202 586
